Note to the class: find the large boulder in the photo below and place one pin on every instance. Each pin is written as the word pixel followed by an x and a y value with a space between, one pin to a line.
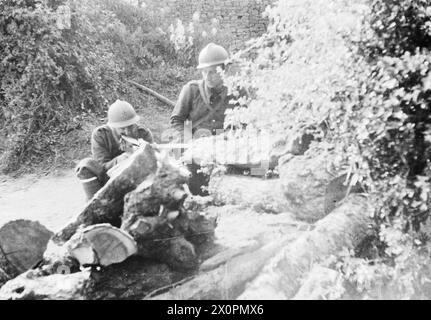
pixel 304 180
pixel 337 189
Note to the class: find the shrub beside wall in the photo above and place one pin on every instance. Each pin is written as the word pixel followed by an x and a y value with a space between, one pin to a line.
pixel 66 60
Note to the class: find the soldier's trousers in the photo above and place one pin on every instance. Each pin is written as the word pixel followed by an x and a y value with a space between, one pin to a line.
pixel 92 175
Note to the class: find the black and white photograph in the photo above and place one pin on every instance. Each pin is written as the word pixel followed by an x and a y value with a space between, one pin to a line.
pixel 237 151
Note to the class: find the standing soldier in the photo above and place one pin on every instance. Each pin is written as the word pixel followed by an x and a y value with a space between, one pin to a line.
pixel 202 105
pixel 107 146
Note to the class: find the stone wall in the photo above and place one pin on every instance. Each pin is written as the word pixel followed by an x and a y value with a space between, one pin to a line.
pixel 243 19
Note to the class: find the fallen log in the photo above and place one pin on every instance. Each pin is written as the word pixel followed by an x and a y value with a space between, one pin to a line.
pixel 165 188
pixel 22 243
pixel 153 93
pixel 132 279
pixel 136 277
pixel 346 226
pixel 107 204
pixel 227 255
pixel 245 241
pixel 155 217
pixel 228 280
pixel 166 288
pixel 52 287
pixel 240 234
pixel 4 277
pixel 174 237
pixel 101 244
pixel 262 195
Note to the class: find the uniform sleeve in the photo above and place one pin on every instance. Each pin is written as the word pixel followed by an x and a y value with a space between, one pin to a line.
pixel 108 165
pixel 100 150
pixel 182 109
pixel 147 135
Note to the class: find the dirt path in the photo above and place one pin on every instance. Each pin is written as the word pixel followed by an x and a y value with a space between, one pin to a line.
pixel 51 200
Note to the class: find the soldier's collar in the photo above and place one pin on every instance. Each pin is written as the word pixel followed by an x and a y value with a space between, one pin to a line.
pixel 214 92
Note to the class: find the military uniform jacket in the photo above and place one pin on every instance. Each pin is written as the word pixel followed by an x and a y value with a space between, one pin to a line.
pixel 105 146
pixel 205 109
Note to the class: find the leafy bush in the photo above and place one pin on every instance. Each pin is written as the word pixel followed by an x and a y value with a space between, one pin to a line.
pixel 403 273
pixel 138 38
pixel 363 70
pixel 49 73
pixel 188 41
pixel 65 60
pixel 396 42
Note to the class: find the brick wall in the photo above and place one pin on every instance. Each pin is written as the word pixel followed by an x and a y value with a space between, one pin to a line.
pixel 241 18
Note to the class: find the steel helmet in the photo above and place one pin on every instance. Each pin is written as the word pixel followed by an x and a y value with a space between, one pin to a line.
pixel 212 55
pixel 121 114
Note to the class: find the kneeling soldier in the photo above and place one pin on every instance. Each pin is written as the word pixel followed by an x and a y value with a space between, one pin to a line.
pixel 108 148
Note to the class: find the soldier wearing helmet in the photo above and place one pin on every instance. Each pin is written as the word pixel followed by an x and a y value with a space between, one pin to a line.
pixel 107 146
pixel 204 102
pixel 202 105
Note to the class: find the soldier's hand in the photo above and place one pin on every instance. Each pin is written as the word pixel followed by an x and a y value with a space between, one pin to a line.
pixel 123 157
pixel 127 147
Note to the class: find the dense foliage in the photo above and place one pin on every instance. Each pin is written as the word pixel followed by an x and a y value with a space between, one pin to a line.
pixel 64 60
pixel 47 73
pixel 362 70
pixel 397 45
pixel 357 76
